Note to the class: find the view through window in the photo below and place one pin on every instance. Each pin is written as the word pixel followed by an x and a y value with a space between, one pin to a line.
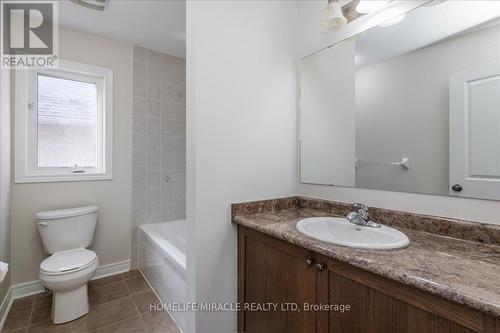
pixel 67 122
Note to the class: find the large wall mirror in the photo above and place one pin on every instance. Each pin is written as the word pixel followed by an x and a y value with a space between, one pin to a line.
pixel 409 106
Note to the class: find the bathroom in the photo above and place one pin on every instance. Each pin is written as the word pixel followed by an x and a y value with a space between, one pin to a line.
pixel 214 153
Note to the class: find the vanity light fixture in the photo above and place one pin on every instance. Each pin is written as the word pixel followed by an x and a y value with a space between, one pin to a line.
pixel 390 17
pixel 334 17
pixel 368 6
pixel 393 21
pixel 434 3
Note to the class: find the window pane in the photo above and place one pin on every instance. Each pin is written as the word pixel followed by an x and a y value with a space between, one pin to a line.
pixel 67 123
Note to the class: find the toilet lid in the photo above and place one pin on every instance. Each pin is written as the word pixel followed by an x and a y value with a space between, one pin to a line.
pixel 68 261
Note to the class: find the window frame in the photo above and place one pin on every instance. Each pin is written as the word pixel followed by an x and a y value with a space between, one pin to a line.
pixel 26 168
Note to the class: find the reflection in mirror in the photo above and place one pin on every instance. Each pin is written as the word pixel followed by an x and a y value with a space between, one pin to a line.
pixel 412 105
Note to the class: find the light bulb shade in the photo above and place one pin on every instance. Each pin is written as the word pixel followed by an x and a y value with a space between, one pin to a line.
pixel 334 17
pixel 367 6
pixel 92 4
pixel 389 17
pixel 392 21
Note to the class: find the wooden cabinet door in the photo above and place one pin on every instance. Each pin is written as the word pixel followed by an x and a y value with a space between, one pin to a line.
pixel 275 272
pixel 380 305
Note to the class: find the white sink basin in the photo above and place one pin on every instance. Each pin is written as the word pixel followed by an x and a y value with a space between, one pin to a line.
pixel 338 230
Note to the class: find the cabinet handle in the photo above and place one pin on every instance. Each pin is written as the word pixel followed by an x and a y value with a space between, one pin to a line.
pixel 309 262
pixel 320 267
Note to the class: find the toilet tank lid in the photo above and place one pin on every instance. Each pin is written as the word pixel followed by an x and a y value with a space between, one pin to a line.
pixel 68 212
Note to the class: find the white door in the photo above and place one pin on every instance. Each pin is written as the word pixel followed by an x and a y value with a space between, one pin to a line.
pixel 475 132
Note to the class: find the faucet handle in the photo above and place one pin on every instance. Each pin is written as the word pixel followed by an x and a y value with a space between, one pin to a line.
pixel 360 206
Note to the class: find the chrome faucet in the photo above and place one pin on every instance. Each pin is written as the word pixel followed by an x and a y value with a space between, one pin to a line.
pixel 361 216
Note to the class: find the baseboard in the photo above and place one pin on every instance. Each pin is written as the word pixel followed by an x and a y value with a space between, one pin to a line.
pixel 35 287
pixel 5 307
pixel 112 269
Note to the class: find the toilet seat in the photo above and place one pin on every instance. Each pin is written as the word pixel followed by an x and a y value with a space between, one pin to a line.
pixel 67 273
pixel 68 261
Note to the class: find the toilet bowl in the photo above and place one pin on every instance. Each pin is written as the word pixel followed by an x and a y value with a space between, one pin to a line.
pixel 65 235
pixel 66 273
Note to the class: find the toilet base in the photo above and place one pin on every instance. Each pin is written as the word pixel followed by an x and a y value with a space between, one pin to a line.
pixel 69 305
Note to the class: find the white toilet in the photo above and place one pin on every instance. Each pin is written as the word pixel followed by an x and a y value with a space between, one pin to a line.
pixel 65 235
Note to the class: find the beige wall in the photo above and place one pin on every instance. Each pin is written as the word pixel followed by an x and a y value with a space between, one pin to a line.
pixel 327 116
pixel 113 235
pixel 406 114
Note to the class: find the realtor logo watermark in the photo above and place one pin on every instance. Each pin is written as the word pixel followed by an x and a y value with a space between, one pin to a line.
pixel 29 34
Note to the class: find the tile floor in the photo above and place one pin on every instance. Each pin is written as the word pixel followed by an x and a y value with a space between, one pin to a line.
pixel 118 303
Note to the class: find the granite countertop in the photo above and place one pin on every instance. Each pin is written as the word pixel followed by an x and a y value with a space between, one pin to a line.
pixel 464 271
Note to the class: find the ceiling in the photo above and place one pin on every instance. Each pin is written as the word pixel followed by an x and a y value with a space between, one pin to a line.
pixel 159 25
pixel 424 26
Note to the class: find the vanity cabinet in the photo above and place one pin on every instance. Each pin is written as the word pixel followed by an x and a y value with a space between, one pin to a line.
pixel 272 271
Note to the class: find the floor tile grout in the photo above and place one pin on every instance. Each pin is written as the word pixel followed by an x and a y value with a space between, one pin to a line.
pixel 31 313
pixel 107 285
pixel 136 307
pixel 140 315
pixel 151 287
pixel 129 295
pixel 125 294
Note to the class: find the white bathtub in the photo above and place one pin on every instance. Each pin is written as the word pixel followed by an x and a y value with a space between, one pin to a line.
pixel 162 260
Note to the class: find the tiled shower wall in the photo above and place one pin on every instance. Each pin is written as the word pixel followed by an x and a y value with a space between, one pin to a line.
pixel 159 140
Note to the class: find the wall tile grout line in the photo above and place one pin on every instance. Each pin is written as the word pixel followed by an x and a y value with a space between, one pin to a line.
pixel 159 140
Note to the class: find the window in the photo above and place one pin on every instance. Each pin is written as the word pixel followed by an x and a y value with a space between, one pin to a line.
pixel 63 123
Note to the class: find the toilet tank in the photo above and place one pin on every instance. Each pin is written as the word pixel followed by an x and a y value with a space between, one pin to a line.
pixel 66 229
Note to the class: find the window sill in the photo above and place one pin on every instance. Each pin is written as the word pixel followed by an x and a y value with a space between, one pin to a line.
pixel 61 178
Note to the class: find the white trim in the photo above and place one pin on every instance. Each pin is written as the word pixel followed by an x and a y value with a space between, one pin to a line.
pixel 25 168
pixel 5 307
pixel 69 178
pixel 5 178
pixel 26 289
pixel 35 287
pixel 112 269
